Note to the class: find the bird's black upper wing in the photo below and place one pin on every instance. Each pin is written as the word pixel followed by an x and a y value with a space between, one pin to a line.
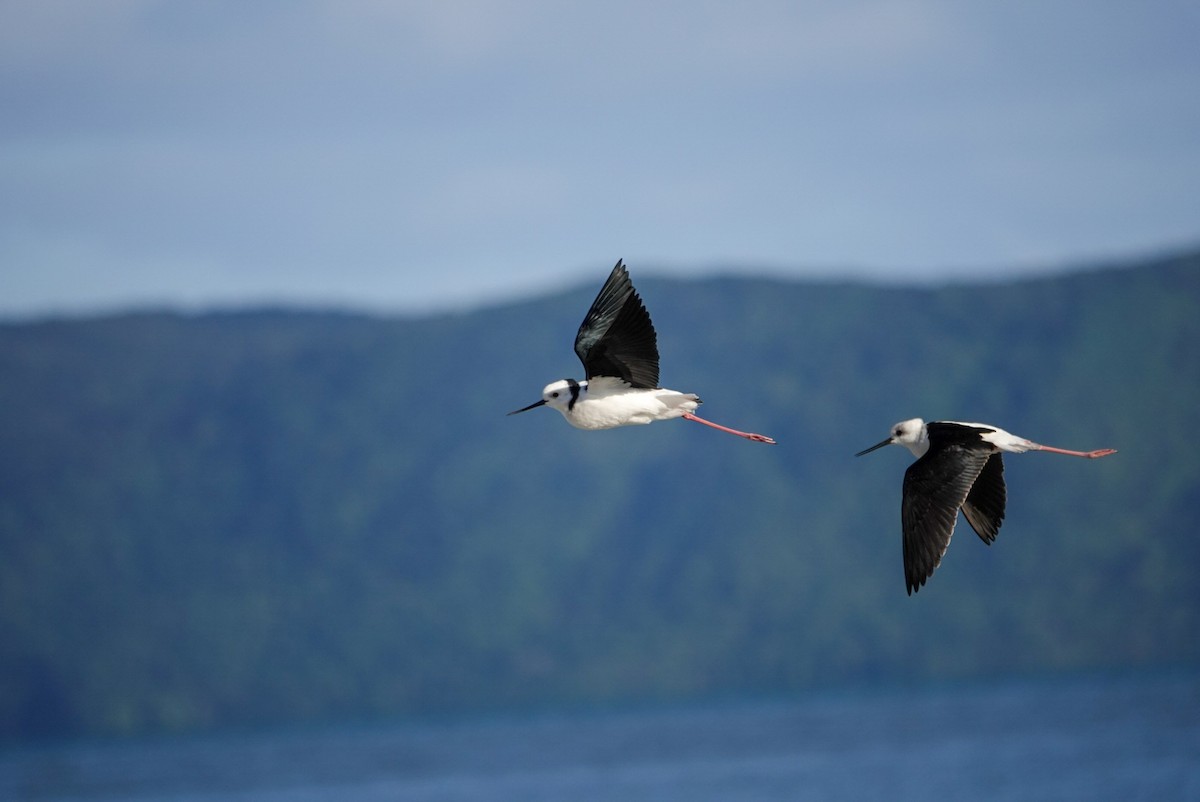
pixel 616 337
pixel 935 487
pixel 984 506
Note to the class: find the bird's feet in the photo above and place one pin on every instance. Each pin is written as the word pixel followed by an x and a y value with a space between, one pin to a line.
pixel 758 438
pixel 1097 454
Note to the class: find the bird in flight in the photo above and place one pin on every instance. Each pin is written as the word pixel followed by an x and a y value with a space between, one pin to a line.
pixel 618 347
pixel 958 466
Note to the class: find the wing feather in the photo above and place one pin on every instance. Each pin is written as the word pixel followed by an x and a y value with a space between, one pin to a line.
pixel 935 487
pixel 984 505
pixel 616 337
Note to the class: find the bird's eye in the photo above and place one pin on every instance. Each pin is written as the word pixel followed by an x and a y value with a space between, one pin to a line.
pixel 554 395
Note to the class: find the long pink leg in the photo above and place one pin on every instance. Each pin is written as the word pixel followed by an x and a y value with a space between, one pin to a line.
pixel 1102 452
pixel 758 438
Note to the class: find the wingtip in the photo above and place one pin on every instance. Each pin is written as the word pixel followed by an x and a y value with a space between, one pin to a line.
pixel 914 584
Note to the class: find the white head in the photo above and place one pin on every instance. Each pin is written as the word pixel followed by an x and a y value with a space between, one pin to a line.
pixel 560 395
pixel 910 433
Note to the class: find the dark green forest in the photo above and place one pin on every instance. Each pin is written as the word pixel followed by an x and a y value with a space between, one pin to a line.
pixel 279 517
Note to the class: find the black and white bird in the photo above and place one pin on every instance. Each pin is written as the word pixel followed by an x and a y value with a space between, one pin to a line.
pixel 959 466
pixel 618 347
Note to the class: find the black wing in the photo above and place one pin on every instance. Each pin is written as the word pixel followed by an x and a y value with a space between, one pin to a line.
pixel 935 487
pixel 616 337
pixel 984 507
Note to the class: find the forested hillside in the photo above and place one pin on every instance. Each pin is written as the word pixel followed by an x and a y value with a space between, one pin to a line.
pixel 266 517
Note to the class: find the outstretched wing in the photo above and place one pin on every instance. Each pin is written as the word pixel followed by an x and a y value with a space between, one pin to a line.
pixel 935 487
pixel 984 507
pixel 616 337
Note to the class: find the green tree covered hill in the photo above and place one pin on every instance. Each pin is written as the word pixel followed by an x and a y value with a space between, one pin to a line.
pixel 276 516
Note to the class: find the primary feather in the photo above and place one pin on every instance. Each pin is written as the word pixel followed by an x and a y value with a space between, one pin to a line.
pixel 616 337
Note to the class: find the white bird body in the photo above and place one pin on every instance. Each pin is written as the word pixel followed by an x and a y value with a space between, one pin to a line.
pixel 618 347
pixel 606 402
pixel 913 434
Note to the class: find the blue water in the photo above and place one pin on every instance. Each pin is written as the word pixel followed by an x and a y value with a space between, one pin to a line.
pixel 1085 739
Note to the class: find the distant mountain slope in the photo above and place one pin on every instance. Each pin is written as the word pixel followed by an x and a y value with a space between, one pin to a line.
pixel 265 517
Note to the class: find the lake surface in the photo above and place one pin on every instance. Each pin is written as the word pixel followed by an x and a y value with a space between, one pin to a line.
pixel 1079 739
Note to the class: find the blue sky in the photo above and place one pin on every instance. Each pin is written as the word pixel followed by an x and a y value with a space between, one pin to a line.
pixel 415 156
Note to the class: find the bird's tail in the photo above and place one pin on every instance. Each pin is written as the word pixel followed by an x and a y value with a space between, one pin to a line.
pixel 684 402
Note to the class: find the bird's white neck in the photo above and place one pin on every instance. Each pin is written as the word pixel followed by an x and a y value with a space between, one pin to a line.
pixel 578 391
pixel 582 390
pixel 920 446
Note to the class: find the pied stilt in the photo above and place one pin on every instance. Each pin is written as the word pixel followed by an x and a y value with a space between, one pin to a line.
pixel 618 347
pixel 958 467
